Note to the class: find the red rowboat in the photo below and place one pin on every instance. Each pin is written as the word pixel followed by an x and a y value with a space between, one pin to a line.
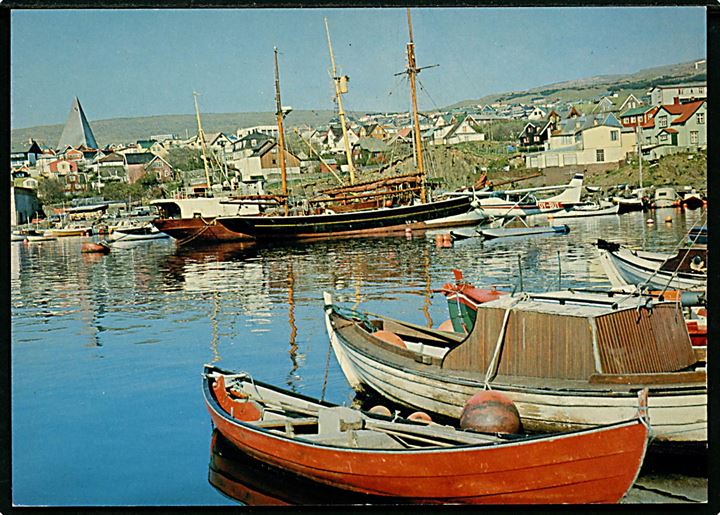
pixel 418 463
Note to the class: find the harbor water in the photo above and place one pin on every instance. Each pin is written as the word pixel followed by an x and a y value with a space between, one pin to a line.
pixel 107 350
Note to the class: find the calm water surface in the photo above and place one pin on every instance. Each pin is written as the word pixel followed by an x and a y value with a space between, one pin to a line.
pixel 107 351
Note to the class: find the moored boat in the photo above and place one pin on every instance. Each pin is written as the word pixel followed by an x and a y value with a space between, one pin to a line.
pixel 685 269
pixel 628 205
pixel 136 233
pixel 665 197
pixel 691 199
pixel 69 230
pixel 567 360
pixel 16 236
pixel 419 463
pixel 586 211
pixel 369 222
pixel 36 235
pixel 505 232
pixel 194 220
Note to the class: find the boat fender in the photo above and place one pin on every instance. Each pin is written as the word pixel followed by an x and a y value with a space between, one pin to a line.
pixel 420 416
pixel 390 337
pixel 490 411
pixel 380 410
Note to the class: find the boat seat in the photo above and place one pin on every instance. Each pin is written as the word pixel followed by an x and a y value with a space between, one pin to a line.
pixel 357 438
pixel 338 419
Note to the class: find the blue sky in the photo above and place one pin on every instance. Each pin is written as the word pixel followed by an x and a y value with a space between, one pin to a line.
pixel 125 63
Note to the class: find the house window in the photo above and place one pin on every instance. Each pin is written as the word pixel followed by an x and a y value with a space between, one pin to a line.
pixel 600 155
pixel 614 135
pixel 662 121
pixel 701 118
pixel 663 138
pixel 537 138
pixel 632 119
pixel 694 137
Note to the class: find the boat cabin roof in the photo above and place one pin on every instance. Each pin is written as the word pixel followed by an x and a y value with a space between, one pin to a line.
pixel 575 303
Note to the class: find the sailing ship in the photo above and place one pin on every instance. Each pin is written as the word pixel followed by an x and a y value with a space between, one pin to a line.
pixel 385 206
pixel 567 359
pixel 413 462
pixel 193 221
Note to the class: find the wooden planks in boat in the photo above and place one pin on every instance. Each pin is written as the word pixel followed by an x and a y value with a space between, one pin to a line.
pixel 694 376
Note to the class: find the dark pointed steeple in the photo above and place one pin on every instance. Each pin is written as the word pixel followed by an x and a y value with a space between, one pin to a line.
pixel 77 130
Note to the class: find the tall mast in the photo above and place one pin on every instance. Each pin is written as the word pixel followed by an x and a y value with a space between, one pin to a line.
pixel 412 71
pixel 201 136
pixel 281 133
pixel 340 85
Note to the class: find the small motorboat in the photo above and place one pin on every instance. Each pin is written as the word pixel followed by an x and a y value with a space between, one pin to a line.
pixel 416 462
pixel 70 230
pixel 35 235
pixel 628 205
pixel 692 199
pixel 91 247
pixel 665 197
pixel 504 232
pixel 136 233
pixel 587 211
pixel 17 236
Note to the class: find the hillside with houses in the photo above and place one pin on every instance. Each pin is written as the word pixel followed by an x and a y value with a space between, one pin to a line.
pixel 501 138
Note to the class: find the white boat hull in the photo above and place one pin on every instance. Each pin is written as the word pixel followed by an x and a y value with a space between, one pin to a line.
pixel 584 213
pixel 623 269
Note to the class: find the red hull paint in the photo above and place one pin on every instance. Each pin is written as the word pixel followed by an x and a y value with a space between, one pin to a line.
pixel 597 466
pixel 198 230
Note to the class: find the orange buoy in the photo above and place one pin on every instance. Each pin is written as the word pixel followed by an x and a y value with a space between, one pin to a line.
pixel 380 410
pixel 650 221
pixel 420 416
pixel 489 411
pixel 438 240
pixel 390 337
pixel 668 219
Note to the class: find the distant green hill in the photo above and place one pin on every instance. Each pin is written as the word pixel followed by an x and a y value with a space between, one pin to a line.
pixel 129 130
pixel 584 90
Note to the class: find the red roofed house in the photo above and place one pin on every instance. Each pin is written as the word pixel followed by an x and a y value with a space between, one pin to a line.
pixel 674 128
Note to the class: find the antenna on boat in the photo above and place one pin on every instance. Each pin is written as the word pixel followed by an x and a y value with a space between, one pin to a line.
pixel 340 89
pixel 201 137
pixel 281 133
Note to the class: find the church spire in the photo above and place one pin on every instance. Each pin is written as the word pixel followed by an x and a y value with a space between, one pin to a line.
pixel 77 130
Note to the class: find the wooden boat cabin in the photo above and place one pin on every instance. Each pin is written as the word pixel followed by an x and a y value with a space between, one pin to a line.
pixel 577 335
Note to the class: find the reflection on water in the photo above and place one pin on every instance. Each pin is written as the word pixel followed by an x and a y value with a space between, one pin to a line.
pixel 254 483
pixel 119 339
